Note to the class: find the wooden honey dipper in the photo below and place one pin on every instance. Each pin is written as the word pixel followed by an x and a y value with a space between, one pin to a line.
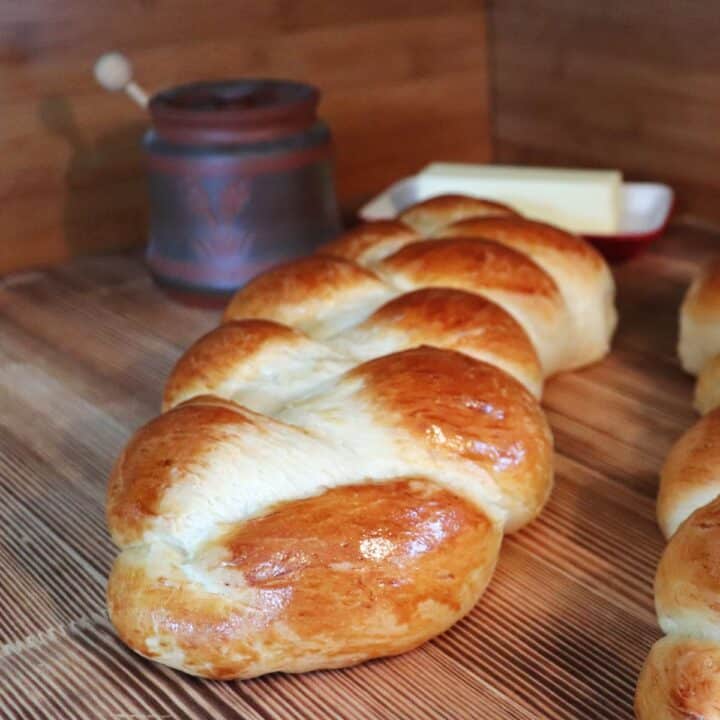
pixel 113 71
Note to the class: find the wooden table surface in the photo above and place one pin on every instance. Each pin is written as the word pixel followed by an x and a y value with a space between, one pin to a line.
pixel 561 633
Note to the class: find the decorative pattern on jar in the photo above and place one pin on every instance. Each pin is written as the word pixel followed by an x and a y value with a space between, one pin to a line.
pixel 241 178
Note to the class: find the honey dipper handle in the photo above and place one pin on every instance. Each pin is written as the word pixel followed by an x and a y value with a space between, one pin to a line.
pixel 114 72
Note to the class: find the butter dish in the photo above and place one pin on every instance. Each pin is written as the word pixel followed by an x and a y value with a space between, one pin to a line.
pixel 644 208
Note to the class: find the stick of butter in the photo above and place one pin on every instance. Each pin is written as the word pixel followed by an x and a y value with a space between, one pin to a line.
pixel 581 201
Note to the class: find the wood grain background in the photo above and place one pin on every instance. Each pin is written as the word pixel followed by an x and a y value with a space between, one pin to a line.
pixel 560 634
pixel 629 85
pixel 623 84
pixel 403 82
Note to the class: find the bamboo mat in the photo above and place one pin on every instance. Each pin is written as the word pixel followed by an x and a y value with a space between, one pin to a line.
pixel 560 634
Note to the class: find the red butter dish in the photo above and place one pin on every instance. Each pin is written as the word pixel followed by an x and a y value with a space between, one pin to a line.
pixel 644 214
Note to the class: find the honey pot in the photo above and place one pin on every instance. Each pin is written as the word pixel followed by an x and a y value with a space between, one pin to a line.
pixel 240 178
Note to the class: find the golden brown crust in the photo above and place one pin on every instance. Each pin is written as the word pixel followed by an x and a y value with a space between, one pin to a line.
pixel 458 320
pixel 580 273
pixel 468 263
pixel 157 452
pixel 295 292
pixel 691 474
pixel 431 215
pixel 370 241
pixel 504 275
pixel 680 681
pixel 469 409
pixel 687 587
pixel 526 235
pixel 357 572
pixel 211 359
pixel 238 359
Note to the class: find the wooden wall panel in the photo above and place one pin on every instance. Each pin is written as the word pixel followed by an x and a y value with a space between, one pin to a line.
pixel 404 83
pixel 632 85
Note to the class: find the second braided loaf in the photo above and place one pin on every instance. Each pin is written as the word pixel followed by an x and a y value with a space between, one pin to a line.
pixel 681 676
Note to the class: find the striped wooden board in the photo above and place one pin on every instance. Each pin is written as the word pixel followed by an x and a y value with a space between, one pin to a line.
pixel 561 634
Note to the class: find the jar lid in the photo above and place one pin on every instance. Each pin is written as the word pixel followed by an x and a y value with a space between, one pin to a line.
pixel 233 110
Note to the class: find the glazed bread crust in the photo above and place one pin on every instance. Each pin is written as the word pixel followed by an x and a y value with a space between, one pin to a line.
pixel 209 484
pixel 263 364
pixel 370 242
pixel 429 216
pixel 354 573
pixel 507 277
pixel 422 412
pixel 337 463
pixel 579 273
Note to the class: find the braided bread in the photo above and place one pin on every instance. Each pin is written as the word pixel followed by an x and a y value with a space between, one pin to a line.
pixel 699 344
pixel 681 677
pixel 337 462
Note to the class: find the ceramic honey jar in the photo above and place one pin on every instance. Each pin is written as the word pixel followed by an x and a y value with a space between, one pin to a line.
pixel 241 178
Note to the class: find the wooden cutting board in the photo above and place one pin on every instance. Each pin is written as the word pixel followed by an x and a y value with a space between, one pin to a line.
pixel 561 633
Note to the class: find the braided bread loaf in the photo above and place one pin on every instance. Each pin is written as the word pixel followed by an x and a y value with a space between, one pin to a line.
pixel 337 462
pixel 681 677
